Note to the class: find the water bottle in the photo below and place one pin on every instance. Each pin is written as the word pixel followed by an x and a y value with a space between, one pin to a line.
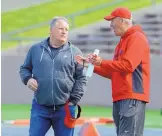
pixel 91 66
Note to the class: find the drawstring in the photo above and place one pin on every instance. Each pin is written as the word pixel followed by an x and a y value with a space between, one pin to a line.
pixel 42 55
pixel 71 52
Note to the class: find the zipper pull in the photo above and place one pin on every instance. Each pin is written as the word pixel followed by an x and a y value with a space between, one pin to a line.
pixel 54 107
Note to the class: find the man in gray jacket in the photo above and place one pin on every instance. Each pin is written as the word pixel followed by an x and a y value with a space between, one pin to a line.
pixel 52 73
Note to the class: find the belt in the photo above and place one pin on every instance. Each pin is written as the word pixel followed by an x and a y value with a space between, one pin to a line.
pixel 56 107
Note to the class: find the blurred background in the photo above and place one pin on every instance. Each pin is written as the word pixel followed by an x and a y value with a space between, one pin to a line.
pixel 27 22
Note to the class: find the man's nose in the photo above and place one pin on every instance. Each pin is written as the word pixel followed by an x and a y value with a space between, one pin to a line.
pixel 111 25
pixel 64 31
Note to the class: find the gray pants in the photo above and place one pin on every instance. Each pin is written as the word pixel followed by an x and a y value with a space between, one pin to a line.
pixel 129 117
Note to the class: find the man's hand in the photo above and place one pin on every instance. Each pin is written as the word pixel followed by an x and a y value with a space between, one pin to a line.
pixel 70 103
pixel 94 59
pixel 82 60
pixel 32 84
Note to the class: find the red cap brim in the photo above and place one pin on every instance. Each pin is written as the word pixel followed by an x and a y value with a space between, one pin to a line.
pixel 110 17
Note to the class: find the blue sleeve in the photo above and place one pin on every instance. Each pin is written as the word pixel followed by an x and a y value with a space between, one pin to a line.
pixel 26 69
pixel 80 82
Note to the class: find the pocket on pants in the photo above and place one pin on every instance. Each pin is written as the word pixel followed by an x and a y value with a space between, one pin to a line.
pixel 129 109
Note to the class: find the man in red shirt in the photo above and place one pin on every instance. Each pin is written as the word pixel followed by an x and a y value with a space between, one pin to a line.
pixel 129 72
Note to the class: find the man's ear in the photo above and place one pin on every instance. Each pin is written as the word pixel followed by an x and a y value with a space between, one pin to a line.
pixel 50 31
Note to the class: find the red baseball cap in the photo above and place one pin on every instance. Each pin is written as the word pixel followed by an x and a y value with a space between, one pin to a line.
pixel 119 12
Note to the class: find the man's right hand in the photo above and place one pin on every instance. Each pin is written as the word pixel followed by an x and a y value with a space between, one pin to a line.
pixel 32 84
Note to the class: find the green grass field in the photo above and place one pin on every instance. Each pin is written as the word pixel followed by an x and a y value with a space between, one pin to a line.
pixel 44 12
pixel 29 16
pixel 90 17
pixel 11 112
